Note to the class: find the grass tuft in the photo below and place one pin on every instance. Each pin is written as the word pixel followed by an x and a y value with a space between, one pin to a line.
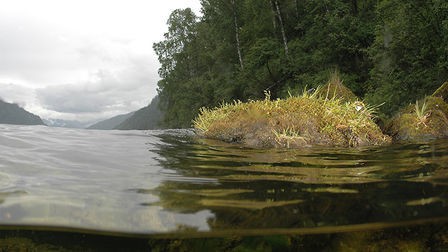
pixel 426 119
pixel 422 112
pixel 335 89
pixel 297 121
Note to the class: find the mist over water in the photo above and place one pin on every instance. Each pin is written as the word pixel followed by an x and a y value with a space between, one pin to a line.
pixel 160 182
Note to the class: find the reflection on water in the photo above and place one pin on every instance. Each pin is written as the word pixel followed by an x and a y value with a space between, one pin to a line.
pixel 325 188
pixel 171 183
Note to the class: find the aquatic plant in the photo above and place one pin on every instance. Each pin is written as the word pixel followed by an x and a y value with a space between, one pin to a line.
pixel 298 121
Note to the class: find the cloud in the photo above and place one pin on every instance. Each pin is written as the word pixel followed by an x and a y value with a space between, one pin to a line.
pixel 81 60
pixel 18 94
pixel 34 55
pixel 105 92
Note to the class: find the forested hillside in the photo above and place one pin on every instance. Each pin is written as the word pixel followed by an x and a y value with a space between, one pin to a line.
pixel 147 118
pixel 389 51
pixel 110 123
pixel 13 114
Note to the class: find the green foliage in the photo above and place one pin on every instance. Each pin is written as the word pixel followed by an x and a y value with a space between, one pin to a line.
pixel 421 111
pixel 147 118
pixel 409 52
pixel 389 51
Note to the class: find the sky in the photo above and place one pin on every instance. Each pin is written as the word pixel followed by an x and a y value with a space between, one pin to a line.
pixel 82 60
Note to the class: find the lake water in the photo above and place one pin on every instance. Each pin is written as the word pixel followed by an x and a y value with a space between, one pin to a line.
pixel 154 186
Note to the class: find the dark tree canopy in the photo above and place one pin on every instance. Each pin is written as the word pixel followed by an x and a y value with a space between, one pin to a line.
pixel 389 51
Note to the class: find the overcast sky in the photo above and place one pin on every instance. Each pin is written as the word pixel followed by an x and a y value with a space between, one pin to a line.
pixel 82 59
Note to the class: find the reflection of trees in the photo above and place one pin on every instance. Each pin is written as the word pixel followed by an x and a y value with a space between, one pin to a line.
pixel 262 189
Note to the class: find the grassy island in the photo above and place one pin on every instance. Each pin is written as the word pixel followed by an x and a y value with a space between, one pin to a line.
pixel 318 118
pixel 426 119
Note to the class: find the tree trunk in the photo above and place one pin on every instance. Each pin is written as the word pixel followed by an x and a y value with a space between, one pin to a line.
pixel 237 35
pixel 355 7
pixel 274 15
pixel 282 28
pixel 297 10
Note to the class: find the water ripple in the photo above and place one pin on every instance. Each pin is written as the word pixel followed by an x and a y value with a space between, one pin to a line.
pixel 168 181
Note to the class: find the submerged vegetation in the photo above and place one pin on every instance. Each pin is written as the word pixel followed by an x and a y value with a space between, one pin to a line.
pixel 420 238
pixel 426 238
pixel 330 116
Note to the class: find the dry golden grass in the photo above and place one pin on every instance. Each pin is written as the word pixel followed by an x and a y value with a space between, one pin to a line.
pixel 335 89
pixel 297 121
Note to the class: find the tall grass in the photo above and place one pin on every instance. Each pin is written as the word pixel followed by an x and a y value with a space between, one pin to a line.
pixel 421 111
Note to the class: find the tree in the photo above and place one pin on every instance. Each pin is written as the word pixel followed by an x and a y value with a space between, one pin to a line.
pixel 172 53
pixel 410 53
pixel 181 30
pixel 237 34
pixel 391 51
pixel 282 27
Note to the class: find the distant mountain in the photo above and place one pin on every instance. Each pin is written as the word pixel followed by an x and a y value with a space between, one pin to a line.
pixel 111 123
pixel 146 118
pixel 13 114
pixel 66 123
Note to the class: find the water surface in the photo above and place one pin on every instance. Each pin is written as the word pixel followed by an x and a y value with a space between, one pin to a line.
pixel 171 183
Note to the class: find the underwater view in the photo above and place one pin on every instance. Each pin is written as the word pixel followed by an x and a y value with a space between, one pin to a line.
pixel 168 190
